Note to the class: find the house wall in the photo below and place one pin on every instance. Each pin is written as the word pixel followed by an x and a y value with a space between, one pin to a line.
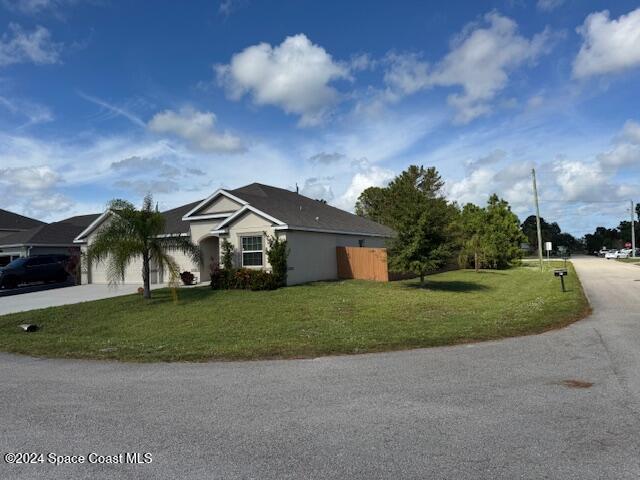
pixel 249 223
pixel 221 205
pixel 312 255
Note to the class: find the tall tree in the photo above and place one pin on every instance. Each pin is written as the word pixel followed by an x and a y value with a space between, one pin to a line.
pixel 502 237
pixel 472 229
pixel 131 234
pixel 414 206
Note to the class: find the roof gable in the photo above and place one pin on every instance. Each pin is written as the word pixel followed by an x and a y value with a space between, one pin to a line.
pixel 203 209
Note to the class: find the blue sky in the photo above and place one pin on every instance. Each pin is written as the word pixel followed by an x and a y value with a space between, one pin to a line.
pixel 102 99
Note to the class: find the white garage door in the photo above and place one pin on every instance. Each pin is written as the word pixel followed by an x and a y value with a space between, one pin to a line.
pixel 133 273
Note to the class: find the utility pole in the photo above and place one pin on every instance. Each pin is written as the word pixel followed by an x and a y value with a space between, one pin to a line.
pixel 633 230
pixel 535 197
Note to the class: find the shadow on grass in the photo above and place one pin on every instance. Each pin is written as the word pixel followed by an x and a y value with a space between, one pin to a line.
pixel 450 286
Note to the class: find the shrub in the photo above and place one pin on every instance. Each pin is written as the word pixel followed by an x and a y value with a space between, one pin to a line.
pixel 187 278
pixel 227 255
pixel 277 256
pixel 241 279
pixel 261 280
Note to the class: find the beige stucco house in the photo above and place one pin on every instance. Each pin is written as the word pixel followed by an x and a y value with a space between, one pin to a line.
pixel 245 217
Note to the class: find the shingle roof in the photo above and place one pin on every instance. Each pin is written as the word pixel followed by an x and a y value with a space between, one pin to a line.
pixel 13 221
pixel 173 218
pixel 56 233
pixel 298 211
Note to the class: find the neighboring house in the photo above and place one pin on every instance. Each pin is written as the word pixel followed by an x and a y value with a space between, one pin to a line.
pixel 46 238
pixel 245 217
pixel 11 223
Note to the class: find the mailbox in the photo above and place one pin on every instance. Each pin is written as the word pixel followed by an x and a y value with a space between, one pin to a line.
pixel 561 272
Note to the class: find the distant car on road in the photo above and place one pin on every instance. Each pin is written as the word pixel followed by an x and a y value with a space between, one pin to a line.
pixel 613 254
pixel 40 268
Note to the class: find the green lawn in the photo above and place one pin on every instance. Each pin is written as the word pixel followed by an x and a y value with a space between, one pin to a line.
pixel 304 321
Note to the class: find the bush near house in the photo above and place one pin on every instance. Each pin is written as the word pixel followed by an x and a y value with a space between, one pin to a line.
pixel 242 279
pixel 187 278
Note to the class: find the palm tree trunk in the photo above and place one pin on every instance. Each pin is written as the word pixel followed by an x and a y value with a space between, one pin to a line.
pixel 145 275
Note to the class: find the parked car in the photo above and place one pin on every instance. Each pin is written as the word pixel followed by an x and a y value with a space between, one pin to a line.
pixel 612 254
pixel 40 268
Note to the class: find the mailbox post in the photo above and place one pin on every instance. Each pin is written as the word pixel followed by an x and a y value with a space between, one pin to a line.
pixel 561 272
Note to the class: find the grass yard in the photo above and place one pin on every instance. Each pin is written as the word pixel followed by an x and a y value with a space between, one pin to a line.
pixel 303 321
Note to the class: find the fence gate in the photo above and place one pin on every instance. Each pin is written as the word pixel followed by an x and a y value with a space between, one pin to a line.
pixel 362 263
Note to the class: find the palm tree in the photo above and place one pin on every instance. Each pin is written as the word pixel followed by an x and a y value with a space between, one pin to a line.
pixel 131 233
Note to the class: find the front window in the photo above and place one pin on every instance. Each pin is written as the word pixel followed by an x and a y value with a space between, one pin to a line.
pixel 252 251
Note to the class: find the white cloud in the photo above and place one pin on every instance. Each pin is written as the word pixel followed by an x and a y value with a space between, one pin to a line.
pixel 198 128
pixel 369 176
pixel 34 113
pixel 624 154
pixel 582 181
pixel 631 132
pixel 41 177
pixel 406 74
pixel 493 157
pixel 33 190
pixel 549 5
pixel 608 45
pixel 480 61
pixel 294 76
pixel 318 188
pixel 21 46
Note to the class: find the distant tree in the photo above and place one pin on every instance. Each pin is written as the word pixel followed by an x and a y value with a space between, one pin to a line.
pixel 602 237
pixel 502 236
pixel 551 232
pixel 131 234
pixel 625 231
pixel 472 229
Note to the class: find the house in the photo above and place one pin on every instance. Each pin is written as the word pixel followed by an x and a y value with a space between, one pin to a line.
pixel 245 217
pixel 43 238
pixel 11 223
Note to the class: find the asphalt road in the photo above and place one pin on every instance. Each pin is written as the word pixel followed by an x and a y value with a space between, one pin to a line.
pixel 490 410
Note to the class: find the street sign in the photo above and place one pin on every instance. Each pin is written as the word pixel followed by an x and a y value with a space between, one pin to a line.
pixel 547 246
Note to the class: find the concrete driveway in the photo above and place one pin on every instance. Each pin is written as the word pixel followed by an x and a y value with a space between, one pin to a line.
pixel 62 296
pixel 507 409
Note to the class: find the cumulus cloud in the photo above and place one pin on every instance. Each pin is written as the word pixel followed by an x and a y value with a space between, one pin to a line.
pixel 22 46
pixel 33 189
pixel 609 45
pixel 624 154
pixel 368 176
pixel 480 60
pixel 295 76
pixel 197 128
pixel 318 188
